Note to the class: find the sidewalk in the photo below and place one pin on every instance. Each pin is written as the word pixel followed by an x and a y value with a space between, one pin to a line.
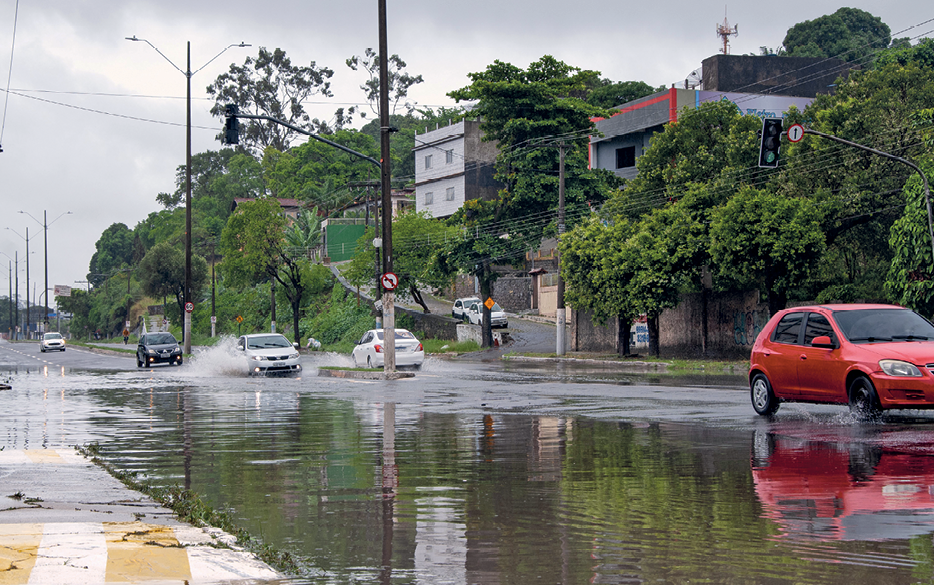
pixel 64 521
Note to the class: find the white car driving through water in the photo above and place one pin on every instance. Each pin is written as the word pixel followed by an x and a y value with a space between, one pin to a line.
pixel 268 353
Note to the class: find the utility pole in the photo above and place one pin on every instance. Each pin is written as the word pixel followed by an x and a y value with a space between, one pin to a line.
pixel 389 320
pixel 561 312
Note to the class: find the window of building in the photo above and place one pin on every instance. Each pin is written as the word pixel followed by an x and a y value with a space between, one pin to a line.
pixel 448 156
pixel 449 194
pixel 429 198
pixel 427 161
pixel 626 157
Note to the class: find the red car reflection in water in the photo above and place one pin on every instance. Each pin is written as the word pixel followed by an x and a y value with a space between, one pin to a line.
pixel 840 491
pixel 874 357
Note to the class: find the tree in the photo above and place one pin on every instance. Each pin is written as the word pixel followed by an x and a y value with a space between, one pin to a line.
pixel 415 240
pixel 317 173
pixel 254 248
pixel 114 250
pixel 768 240
pixel 849 34
pixel 609 94
pixel 713 145
pixel 304 235
pixel 910 279
pixel 162 273
pixel 594 277
pixel 270 85
pixel 530 112
pixel 399 80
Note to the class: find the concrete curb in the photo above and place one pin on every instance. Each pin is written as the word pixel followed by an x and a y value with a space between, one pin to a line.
pixel 363 375
pixel 634 364
pixel 68 521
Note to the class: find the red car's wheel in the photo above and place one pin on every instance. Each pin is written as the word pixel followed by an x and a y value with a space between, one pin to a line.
pixel 763 399
pixel 864 402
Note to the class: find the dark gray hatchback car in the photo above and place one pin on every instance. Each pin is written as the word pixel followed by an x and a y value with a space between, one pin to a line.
pixel 158 348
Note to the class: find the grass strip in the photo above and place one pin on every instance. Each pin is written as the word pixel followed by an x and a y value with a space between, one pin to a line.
pixel 189 507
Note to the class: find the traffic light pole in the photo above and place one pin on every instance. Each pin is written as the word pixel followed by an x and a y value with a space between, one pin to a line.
pixel 924 179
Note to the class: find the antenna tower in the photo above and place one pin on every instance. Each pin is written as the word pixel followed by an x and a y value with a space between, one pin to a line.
pixel 724 31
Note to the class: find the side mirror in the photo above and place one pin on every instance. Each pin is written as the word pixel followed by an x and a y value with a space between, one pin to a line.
pixel 295 344
pixel 823 341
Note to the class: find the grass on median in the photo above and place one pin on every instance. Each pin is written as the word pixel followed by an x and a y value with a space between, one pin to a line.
pixel 670 365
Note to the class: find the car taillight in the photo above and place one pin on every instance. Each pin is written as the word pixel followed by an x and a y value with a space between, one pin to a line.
pixel 378 348
pixel 419 347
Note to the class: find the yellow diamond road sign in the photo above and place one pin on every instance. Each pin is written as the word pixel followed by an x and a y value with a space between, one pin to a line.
pixel 489 303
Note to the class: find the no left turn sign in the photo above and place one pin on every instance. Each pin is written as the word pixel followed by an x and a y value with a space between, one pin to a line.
pixel 389 281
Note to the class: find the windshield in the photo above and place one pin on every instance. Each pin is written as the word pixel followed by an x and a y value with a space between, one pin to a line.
pixel 161 339
pixel 267 341
pixel 400 334
pixel 883 325
pixel 52 336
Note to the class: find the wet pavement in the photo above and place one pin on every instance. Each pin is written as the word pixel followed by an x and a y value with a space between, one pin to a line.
pixel 514 472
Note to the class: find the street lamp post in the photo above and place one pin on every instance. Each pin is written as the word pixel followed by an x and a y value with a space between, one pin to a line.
pixel 45 230
pixel 188 73
pixel 26 239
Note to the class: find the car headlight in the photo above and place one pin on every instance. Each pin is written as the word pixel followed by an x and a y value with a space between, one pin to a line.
pixel 259 358
pixel 176 350
pixel 293 356
pixel 151 351
pixel 899 368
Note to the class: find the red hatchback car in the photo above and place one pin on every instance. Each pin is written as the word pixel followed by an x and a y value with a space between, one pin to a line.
pixel 872 357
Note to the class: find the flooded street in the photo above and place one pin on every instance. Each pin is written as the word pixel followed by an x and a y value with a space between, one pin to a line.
pixel 512 472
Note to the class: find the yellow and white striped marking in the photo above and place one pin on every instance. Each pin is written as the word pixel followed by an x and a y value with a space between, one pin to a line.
pixel 66 553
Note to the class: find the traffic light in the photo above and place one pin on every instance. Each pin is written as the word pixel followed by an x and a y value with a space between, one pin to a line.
pixel 771 142
pixel 231 125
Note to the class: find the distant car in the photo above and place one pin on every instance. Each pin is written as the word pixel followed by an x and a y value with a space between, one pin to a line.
pixel 51 342
pixel 158 348
pixel 459 311
pixel 370 350
pixel 270 353
pixel 497 315
pixel 872 357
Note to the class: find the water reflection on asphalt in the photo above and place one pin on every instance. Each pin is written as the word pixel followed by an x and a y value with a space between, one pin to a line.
pixel 475 473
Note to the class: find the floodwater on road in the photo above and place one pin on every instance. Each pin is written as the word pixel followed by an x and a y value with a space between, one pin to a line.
pixel 512 473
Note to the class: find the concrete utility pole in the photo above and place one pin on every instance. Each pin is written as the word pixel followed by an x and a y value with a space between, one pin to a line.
pixel 561 312
pixel 389 320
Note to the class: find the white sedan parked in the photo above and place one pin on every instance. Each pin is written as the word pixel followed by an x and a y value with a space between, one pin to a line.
pixel 370 349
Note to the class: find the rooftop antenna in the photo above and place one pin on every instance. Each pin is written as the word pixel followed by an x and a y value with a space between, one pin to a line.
pixel 724 31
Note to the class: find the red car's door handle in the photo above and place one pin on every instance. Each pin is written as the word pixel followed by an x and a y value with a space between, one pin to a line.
pixel 804 357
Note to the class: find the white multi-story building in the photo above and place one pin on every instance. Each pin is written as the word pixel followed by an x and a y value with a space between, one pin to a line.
pixel 453 165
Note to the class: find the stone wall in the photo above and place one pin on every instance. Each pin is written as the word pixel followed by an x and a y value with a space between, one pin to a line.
pixel 513 293
pixel 734 319
pixel 431 325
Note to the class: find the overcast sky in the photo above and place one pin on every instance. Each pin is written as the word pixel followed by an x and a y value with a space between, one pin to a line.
pixel 95 125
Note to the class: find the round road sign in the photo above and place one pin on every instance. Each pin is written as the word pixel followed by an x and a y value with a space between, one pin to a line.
pixel 189 307
pixel 389 281
pixel 795 133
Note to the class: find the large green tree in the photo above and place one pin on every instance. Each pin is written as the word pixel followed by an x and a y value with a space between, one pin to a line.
pixel 400 81
pixel 910 279
pixel 534 114
pixel 162 273
pixel 114 251
pixel 270 85
pixel 255 250
pixel 416 237
pixel 849 34
pixel 767 240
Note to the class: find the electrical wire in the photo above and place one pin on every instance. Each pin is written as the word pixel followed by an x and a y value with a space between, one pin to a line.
pixel 6 101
